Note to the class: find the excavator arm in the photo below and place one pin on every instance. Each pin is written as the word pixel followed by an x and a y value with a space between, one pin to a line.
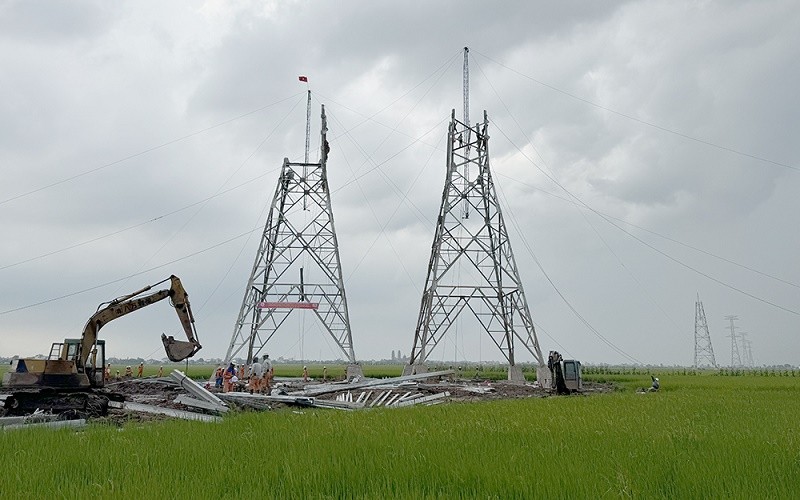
pixel 176 350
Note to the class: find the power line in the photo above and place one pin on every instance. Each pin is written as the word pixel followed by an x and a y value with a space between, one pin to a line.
pixel 643 122
pixel 566 301
pixel 139 224
pixel 654 233
pixel 138 273
pixel 143 152
pixel 677 261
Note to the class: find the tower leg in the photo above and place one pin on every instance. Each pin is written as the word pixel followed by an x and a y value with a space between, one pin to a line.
pixel 515 374
pixel 354 371
pixel 414 369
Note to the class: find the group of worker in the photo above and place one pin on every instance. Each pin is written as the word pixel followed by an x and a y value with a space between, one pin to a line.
pixel 129 372
pixel 259 376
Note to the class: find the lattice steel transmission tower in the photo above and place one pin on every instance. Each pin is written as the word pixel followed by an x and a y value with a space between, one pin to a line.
pixel 297 266
pixel 472 266
pixel 747 351
pixel 736 358
pixel 703 351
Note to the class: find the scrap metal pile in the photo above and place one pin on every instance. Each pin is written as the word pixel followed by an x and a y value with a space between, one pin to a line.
pixel 178 396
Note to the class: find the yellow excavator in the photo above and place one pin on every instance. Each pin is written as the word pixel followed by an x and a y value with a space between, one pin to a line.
pixel 78 365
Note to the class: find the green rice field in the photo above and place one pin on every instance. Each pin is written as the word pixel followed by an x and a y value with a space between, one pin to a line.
pixel 702 436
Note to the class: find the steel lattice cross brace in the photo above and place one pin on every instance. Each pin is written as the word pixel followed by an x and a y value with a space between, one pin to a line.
pixel 472 266
pixel 703 351
pixel 297 265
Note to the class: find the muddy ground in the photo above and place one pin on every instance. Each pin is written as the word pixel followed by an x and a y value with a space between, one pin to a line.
pixel 162 392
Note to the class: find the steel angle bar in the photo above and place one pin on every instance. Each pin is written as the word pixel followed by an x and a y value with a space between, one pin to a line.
pixel 58 424
pixel 383 398
pixel 404 396
pixel 199 403
pixel 426 399
pixel 4 421
pixel 342 405
pixel 392 399
pixel 407 396
pixel 255 401
pixel 27 419
pixel 195 388
pixel 378 399
pixel 157 410
pixel 315 391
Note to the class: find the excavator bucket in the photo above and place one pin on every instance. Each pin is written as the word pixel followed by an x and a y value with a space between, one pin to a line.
pixel 178 350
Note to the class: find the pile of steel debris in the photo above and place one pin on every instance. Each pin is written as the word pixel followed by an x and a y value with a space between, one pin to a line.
pixel 178 396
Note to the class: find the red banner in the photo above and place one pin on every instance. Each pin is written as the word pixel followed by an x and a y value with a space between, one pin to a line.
pixel 288 305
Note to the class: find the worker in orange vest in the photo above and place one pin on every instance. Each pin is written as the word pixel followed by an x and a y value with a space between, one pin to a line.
pixel 230 372
pixel 256 374
pixel 140 370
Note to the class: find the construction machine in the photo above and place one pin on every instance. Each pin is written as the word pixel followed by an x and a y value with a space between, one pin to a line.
pixel 566 374
pixel 76 367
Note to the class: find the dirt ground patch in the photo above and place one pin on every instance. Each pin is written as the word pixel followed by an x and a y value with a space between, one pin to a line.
pixel 162 392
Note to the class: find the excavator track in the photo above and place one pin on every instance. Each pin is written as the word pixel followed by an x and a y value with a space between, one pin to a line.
pixel 73 404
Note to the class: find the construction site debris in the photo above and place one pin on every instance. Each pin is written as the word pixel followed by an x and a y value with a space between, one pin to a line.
pixel 178 396
pixel 327 389
pixel 196 389
pixel 57 424
pixel 159 410
pixel 199 403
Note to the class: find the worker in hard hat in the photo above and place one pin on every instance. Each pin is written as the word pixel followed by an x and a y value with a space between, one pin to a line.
pixel 656 385
pixel 256 374
pixel 227 376
pixel 305 374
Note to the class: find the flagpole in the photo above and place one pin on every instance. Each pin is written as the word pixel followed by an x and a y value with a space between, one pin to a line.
pixel 308 133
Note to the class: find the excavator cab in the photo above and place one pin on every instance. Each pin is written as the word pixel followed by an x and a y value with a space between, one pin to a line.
pixel 96 363
pixel 566 374
pixel 572 375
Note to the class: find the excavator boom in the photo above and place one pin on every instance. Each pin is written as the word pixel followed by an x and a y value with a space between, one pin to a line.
pixel 176 350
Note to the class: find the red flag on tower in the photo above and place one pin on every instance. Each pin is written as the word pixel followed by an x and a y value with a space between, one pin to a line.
pixel 303 79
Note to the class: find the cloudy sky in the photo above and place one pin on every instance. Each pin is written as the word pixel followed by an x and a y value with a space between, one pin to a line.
pixel 644 152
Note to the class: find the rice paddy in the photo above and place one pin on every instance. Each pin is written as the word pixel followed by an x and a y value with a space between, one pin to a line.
pixel 702 436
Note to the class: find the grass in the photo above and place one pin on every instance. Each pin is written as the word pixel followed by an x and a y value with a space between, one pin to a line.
pixel 701 436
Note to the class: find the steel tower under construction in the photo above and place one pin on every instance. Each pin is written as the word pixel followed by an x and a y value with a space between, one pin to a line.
pixel 297 267
pixel 472 266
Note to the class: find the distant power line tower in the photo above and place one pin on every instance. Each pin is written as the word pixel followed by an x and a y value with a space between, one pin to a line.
pixel 703 351
pixel 747 351
pixel 736 358
pixel 297 266
pixel 472 266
